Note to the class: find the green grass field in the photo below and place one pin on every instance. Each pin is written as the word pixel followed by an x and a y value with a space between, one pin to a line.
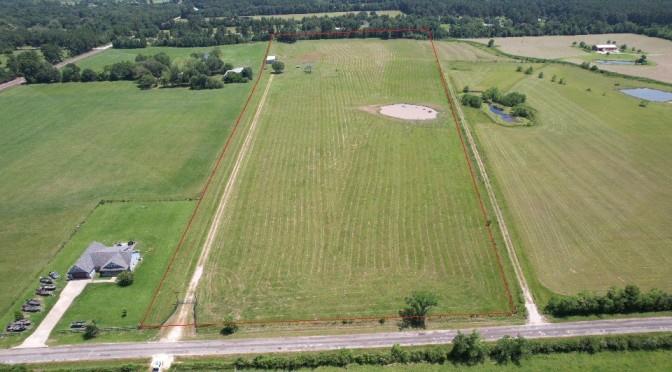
pixel 390 13
pixel 64 147
pixel 587 189
pixel 340 212
pixel 240 54
pixel 156 227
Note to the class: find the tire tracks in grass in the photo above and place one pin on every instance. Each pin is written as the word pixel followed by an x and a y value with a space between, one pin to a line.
pixel 183 317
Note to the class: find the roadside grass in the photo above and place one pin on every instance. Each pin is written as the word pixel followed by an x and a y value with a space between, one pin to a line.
pixel 299 16
pixel 156 227
pixel 247 54
pixel 64 147
pixel 604 361
pixel 342 213
pixel 586 189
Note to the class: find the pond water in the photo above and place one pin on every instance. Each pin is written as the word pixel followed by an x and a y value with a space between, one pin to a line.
pixel 649 94
pixel 612 62
pixel 499 112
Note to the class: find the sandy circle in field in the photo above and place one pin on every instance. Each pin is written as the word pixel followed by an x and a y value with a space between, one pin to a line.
pixel 406 111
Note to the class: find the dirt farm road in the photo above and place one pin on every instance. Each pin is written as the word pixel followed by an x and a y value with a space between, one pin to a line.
pixel 534 317
pixel 315 343
pixel 94 51
pixel 184 313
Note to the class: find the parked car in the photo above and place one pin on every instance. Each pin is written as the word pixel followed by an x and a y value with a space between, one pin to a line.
pixel 54 275
pixel 13 327
pixel 78 324
pixel 31 309
pixel 43 292
pixel 48 287
pixel 33 302
pixel 25 322
pixel 44 280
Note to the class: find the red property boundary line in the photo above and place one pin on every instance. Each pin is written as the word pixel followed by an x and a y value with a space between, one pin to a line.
pixel 205 189
pixel 512 307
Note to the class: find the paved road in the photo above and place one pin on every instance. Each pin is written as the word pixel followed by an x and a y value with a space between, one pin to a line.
pixel 313 343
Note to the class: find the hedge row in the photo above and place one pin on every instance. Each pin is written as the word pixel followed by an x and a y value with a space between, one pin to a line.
pixel 615 301
pixel 504 351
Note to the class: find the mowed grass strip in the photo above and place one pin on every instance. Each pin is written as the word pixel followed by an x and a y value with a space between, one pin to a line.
pixel 156 227
pixel 339 212
pixel 588 188
pixel 64 147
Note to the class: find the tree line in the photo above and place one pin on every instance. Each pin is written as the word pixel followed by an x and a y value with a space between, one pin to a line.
pixel 198 72
pixel 616 301
pixel 79 26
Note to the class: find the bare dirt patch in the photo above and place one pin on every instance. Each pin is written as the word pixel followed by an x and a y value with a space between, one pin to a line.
pixel 403 111
pixel 560 47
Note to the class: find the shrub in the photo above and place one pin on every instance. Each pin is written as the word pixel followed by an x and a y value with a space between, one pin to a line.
pixel 522 111
pixel 230 327
pixel 512 99
pixel 146 81
pixel 125 278
pixel 89 75
pixel 91 331
pixel 519 69
pixel 529 71
pixel 509 349
pixel 470 350
pixel 278 67
pixel 472 101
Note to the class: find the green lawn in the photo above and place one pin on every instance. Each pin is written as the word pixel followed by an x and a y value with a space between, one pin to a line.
pixel 64 147
pixel 156 227
pixel 240 54
pixel 587 190
pixel 339 212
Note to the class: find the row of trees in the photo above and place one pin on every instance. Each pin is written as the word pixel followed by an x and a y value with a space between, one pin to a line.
pixel 616 301
pixel 466 349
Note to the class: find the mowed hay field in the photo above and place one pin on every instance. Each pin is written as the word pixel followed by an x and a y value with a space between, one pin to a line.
pixel 339 212
pixel 659 51
pixel 587 190
pixel 64 147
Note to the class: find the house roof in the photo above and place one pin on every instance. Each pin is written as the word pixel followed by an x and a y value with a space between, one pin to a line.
pixel 100 257
pixel 237 70
pixel 270 58
pixel 599 46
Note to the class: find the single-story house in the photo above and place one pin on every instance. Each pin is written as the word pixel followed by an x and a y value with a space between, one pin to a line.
pixel 270 59
pixel 237 70
pixel 606 48
pixel 108 261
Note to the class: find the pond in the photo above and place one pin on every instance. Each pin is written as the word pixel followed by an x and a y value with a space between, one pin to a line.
pixel 649 94
pixel 613 62
pixel 502 114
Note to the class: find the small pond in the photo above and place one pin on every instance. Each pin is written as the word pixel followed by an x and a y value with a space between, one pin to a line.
pixel 649 94
pixel 615 62
pixel 502 114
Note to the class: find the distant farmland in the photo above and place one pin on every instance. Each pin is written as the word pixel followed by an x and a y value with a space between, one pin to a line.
pixel 339 212
pixel 587 189
pixel 659 51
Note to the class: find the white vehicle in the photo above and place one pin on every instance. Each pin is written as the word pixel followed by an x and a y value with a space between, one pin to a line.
pixel 156 365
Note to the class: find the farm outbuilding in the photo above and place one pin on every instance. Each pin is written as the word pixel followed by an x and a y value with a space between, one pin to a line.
pixel 270 59
pixel 108 261
pixel 606 48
